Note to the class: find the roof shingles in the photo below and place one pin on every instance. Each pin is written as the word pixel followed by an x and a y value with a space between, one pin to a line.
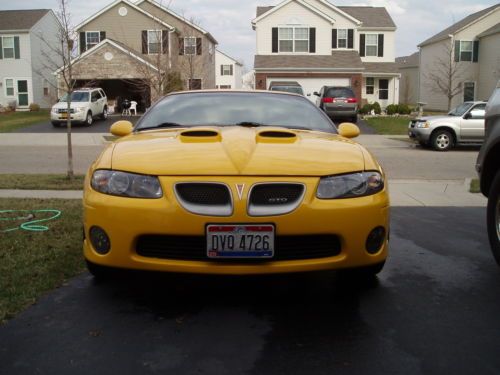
pixel 20 19
pixel 337 60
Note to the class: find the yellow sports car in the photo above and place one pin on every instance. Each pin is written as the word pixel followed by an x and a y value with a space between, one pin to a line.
pixel 235 182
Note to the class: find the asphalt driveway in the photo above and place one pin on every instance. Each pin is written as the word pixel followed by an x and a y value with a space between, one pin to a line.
pixel 433 310
pixel 98 126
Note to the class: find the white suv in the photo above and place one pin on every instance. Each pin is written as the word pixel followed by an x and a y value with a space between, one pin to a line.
pixel 86 104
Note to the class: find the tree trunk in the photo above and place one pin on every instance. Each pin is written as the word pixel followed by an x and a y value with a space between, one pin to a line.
pixel 70 148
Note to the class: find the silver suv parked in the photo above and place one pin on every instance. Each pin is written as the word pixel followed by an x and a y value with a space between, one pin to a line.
pixel 488 167
pixel 86 104
pixel 463 124
pixel 338 102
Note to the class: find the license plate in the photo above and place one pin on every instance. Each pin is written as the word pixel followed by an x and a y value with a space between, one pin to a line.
pixel 63 115
pixel 240 241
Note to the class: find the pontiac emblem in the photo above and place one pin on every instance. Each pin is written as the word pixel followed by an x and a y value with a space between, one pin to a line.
pixel 240 188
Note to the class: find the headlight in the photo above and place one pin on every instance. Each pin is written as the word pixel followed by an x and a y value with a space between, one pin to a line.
pixel 350 185
pixel 78 109
pixel 55 110
pixel 126 184
pixel 423 124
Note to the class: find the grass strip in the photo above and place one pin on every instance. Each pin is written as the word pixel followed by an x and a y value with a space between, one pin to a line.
pixel 389 125
pixel 11 121
pixel 474 186
pixel 40 182
pixel 32 263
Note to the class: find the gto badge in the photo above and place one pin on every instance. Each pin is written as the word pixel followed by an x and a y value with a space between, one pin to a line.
pixel 239 189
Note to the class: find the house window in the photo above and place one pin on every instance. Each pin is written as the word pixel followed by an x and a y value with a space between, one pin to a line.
pixel 154 41
pixel 469 89
pixel 190 45
pixel 371 47
pixel 92 38
pixel 226 70
pixel 466 50
pixel 45 87
pixel 370 85
pixel 293 39
pixel 383 89
pixel 8 47
pixel 342 38
pixel 194 84
pixel 9 87
pixel 210 48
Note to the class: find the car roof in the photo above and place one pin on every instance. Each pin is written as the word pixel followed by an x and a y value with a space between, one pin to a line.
pixel 241 91
pixel 88 89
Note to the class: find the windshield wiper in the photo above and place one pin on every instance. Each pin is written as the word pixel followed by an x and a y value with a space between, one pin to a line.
pixel 163 125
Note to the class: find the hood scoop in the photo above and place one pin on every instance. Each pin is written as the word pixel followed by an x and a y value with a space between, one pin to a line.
pixel 198 135
pixel 276 135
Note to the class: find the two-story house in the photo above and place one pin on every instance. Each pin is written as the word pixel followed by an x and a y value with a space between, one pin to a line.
pixel 128 48
pixel 465 54
pixel 27 38
pixel 228 71
pixel 315 43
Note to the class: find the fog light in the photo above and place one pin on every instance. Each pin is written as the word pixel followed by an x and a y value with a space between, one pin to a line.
pixel 375 240
pixel 100 240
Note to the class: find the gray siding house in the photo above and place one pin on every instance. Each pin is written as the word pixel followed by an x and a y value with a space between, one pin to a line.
pixel 26 38
pixel 408 85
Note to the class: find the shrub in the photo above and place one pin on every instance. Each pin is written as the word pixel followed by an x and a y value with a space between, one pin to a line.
pixel 404 109
pixel 376 108
pixel 34 107
pixel 366 109
pixel 12 105
pixel 392 109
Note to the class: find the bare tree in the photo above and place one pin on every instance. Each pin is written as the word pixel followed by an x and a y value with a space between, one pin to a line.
pixel 445 76
pixel 406 88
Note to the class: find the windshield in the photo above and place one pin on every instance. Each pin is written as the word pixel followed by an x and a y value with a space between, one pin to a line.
pixel 76 96
pixel 292 89
pixel 236 108
pixel 460 110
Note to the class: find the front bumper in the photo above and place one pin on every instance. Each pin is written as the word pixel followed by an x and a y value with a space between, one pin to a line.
pixel 60 117
pixel 125 219
pixel 422 135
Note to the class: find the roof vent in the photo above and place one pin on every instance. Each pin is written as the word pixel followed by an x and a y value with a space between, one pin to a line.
pixel 200 135
pixel 276 135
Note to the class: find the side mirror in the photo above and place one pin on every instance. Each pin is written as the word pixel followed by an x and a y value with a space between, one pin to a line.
pixel 316 93
pixel 121 128
pixel 348 130
pixel 468 116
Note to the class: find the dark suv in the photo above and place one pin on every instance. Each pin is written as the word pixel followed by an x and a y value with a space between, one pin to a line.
pixel 488 167
pixel 338 102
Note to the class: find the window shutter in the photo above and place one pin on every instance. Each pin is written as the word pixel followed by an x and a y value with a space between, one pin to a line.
pixel 1 50
pixel 83 42
pixel 457 50
pixel 16 48
pixel 475 53
pixel 275 40
pixel 164 41
pixel 350 38
pixel 144 42
pixel 231 70
pixel 222 70
pixel 312 40
pixel 362 45
pixel 102 36
pixel 334 38
pixel 198 46
pixel 380 45
pixel 181 46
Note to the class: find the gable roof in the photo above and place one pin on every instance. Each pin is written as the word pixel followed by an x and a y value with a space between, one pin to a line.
pixel 108 7
pixel 286 2
pixel 459 25
pixel 21 19
pixel 179 17
pixel 370 16
pixel 492 30
pixel 411 61
pixel 338 60
pixel 263 9
pixel 120 46
pixel 229 57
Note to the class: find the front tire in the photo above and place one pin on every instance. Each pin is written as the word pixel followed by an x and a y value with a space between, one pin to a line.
pixel 364 273
pixel 89 119
pixel 104 114
pixel 442 140
pixel 493 217
pixel 55 124
pixel 99 272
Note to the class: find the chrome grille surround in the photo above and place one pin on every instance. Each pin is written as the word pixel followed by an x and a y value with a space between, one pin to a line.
pixel 199 202
pixel 280 207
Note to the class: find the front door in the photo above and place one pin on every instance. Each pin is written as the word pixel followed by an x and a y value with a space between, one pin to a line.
pixel 472 124
pixel 22 93
pixel 383 92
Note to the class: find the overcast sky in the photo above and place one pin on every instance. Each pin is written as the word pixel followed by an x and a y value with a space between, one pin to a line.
pixel 229 20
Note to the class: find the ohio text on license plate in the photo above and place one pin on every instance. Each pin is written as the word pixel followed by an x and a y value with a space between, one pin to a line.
pixel 240 241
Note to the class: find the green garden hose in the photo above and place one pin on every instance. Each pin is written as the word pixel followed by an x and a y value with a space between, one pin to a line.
pixel 30 225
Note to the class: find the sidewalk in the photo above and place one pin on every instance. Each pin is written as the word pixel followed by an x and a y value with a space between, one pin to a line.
pixel 403 193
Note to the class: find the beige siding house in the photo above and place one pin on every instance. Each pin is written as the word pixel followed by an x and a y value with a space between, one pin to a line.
pixel 470 50
pixel 129 48
pixel 408 84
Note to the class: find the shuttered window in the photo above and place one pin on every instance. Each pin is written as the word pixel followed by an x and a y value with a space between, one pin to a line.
pixel 342 38
pixel 227 70
pixel 190 46
pixel 293 39
pixel 92 38
pixel 466 50
pixel 371 44
pixel 8 47
pixel 154 41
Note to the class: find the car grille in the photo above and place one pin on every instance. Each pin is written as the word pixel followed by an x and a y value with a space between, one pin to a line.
pixel 212 199
pixel 194 248
pixel 65 110
pixel 274 198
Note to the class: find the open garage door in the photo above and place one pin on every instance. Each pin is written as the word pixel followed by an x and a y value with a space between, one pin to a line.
pixel 309 85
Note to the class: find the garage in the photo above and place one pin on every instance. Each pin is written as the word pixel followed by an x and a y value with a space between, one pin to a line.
pixel 310 85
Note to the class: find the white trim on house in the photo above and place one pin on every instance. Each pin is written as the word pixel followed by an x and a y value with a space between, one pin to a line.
pixel 303 3
pixel 96 48
pixel 134 6
pixel 172 13
pixel 334 8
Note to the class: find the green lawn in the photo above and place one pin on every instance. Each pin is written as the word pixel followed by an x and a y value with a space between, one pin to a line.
pixel 32 263
pixel 389 125
pixel 40 182
pixel 16 120
pixel 474 186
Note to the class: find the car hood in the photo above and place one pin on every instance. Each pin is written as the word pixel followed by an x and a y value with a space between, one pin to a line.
pixel 437 118
pixel 237 151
